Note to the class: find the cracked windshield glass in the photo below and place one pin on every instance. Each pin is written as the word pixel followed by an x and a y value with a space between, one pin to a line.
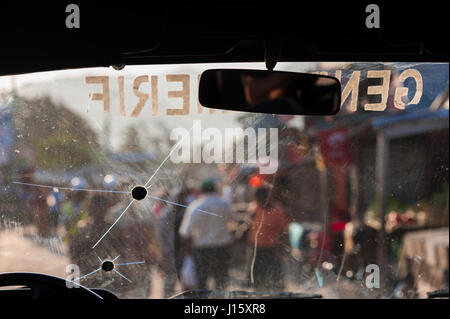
pixel 121 180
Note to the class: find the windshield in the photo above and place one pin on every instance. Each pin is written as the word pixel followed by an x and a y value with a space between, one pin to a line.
pixel 120 179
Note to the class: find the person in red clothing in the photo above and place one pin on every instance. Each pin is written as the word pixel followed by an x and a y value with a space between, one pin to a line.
pixel 268 224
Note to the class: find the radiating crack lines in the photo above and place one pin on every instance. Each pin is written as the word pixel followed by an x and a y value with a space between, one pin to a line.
pixel 89 274
pixel 115 222
pixel 111 269
pixel 185 206
pixel 146 186
pixel 72 188
pixel 168 156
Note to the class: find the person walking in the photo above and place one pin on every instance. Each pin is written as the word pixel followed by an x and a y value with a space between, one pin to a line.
pixel 204 225
pixel 269 222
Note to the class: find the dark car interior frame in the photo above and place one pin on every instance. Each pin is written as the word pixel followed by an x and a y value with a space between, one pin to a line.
pixel 35 38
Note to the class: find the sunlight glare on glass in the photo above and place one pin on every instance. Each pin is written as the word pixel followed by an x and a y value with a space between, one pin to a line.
pixel 75 181
pixel 108 179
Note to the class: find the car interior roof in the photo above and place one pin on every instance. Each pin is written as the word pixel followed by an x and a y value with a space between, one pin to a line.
pixel 35 37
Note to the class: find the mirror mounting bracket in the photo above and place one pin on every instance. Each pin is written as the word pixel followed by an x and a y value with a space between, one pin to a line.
pixel 272 53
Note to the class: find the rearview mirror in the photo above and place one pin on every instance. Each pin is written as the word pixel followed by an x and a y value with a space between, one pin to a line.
pixel 272 92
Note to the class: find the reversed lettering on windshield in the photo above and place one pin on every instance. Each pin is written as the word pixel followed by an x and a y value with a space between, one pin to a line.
pixel 176 94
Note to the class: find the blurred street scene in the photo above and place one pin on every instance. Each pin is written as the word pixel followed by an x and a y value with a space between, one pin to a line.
pixel 357 189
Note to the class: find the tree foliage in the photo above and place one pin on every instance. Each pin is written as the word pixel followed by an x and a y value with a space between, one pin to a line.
pixel 56 136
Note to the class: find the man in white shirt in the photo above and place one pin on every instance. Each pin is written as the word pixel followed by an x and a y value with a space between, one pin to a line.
pixel 205 225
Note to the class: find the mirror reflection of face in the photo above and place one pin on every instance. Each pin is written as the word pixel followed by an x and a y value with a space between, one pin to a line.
pixel 258 90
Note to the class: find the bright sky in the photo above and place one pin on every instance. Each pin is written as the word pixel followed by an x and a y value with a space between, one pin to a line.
pixel 70 88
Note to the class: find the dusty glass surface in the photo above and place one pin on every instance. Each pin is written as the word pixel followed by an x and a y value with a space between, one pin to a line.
pixel 98 167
